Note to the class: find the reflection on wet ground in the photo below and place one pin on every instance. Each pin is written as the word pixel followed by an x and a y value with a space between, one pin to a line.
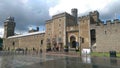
pixel 48 61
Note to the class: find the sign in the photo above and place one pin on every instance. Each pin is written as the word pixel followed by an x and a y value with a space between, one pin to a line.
pixel 86 51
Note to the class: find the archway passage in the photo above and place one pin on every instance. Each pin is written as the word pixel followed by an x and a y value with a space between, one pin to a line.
pixel 93 36
pixel 73 42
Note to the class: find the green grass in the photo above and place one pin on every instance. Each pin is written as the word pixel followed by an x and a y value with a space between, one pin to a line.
pixel 103 54
pixel 100 54
pixel 118 55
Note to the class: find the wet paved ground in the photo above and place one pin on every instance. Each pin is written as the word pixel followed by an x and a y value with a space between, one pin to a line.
pixel 55 60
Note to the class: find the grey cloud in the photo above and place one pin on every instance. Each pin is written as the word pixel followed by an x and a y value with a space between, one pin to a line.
pixel 111 11
pixel 34 12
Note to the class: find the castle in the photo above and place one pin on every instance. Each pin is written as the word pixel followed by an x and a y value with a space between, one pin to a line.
pixel 64 29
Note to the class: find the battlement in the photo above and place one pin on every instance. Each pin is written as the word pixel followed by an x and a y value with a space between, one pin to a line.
pixel 108 21
pixel 84 17
pixel 10 19
pixel 112 21
pixel 116 21
pixel 94 13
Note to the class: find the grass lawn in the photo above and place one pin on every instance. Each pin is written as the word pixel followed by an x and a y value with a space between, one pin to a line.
pixel 103 54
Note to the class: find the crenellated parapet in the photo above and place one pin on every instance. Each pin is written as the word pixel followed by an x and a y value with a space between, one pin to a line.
pixel 84 18
pixel 114 21
pixel 94 13
pixel 94 17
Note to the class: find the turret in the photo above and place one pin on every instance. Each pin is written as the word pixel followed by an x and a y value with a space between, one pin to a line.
pixel 74 12
pixel 94 16
pixel 9 27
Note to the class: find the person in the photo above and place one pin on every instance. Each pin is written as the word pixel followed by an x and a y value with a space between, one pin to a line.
pixel 57 48
pixel 26 51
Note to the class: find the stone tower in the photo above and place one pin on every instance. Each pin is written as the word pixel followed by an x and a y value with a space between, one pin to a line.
pixel 74 12
pixel 9 27
pixel 94 16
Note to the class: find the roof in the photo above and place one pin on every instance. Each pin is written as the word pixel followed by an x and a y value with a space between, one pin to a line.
pixel 28 34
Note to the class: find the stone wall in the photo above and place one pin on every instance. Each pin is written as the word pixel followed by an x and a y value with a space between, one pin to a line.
pixel 35 41
pixel 56 29
pixel 107 37
pixel 84 32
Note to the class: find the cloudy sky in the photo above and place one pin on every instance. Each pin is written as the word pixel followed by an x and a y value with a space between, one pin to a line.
pixel 29 13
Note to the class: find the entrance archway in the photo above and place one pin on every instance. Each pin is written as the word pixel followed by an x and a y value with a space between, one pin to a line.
pixel 72 42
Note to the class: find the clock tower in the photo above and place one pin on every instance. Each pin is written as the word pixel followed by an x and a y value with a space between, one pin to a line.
pixel 9 27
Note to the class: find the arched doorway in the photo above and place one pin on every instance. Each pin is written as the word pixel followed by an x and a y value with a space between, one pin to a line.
pixel 72 42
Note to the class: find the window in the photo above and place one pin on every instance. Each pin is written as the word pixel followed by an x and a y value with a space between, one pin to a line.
pixel 60 32
pixel 41 42
pixel 59 25
pixel 59 19
pixel 48 40
pixel 105 32
pixel 82 40
pixel 83 21
pixel 59 40
pixel 13 43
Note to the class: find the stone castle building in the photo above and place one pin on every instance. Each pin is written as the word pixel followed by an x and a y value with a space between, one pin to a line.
pixel 64 29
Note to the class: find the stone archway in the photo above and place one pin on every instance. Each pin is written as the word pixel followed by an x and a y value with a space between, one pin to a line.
pixel 72 42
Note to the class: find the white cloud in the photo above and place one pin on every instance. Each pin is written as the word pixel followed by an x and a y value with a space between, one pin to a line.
pixel 24 1
pixel 1 32
pixel 82 6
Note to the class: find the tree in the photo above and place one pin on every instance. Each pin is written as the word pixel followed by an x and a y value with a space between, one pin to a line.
pixel 1 43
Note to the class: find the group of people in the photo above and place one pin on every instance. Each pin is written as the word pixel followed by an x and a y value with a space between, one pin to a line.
pixel 55 49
